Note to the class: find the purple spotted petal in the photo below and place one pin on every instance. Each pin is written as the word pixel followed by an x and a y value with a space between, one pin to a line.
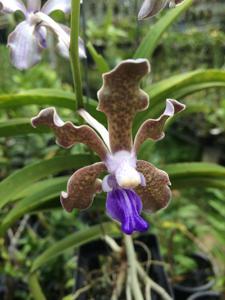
pixel 125 206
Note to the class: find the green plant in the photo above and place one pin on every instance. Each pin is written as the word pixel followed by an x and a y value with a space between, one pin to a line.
pixel 33 190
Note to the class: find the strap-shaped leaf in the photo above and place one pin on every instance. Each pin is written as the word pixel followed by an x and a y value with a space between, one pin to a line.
pixel 195 169
pixel 73 241
pixel 182 85
pixel 50 97
pixel 178 87
pixel 47 97
pixel 17 127
pixel 99 60
pixel 20 180
pixel 34 200
pixel 198 182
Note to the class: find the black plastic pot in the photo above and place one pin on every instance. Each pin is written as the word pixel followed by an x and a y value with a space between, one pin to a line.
pixel 199 280
pixel 209 295
pixel 90 253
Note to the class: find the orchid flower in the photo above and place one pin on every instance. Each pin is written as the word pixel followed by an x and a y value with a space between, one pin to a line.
pixel 28 40
pixel 131 185
pixel 152 7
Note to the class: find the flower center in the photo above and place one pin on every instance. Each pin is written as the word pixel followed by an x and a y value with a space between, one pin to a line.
pixel 122 165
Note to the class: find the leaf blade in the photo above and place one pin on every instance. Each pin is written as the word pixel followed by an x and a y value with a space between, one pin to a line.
pixel 19 180
pixel 73 241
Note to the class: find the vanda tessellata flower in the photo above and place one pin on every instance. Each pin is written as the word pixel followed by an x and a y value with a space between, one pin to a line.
pixel 152 7
pixel 28 40
pixel 131 185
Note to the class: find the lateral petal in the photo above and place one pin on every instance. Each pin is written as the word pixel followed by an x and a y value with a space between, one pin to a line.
pixel 68 134
pixel 153 129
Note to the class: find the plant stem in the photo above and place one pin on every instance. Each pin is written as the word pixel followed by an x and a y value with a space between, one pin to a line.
pixel 121 276
pixel 74 52
pixel 132 268
pixel 128 288
pixel 35 287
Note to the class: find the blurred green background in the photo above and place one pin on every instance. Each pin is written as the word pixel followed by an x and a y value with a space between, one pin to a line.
pixel 194 220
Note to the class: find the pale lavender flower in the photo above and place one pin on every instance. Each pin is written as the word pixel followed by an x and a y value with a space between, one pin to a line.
pixel 28 40
pixel 131 185
pixel 152 7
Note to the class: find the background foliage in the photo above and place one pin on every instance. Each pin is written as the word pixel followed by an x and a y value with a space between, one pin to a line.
pixel 186 49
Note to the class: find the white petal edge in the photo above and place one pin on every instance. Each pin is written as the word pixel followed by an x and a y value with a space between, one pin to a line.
pixel 52 5
pixel 10 6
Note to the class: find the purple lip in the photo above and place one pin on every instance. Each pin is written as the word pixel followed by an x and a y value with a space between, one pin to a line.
pixel 125 206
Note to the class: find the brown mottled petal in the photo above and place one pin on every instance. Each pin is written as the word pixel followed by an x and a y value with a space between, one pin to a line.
pixel 120 98
pixel 82 187
pixel 67 134
pixel 153 129
pixel 156 194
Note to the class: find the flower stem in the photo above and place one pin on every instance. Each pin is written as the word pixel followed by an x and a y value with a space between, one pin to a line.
pixel 132 265
pixel 35 287
pixel 74 52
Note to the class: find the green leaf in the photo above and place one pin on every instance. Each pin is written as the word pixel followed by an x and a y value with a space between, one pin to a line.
pixel 73 241
pixel 151 40
pixel 47 97
pixel 50 97
pixel 185 84
pixel 195 169
pixel 20 180
pixel 4 161
pixel 98 59
pixel 37 186
pixel 17 127
pixel 198 182
pixel 178 87
pixel 217 224
pixel 37 197
pixel 218 206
